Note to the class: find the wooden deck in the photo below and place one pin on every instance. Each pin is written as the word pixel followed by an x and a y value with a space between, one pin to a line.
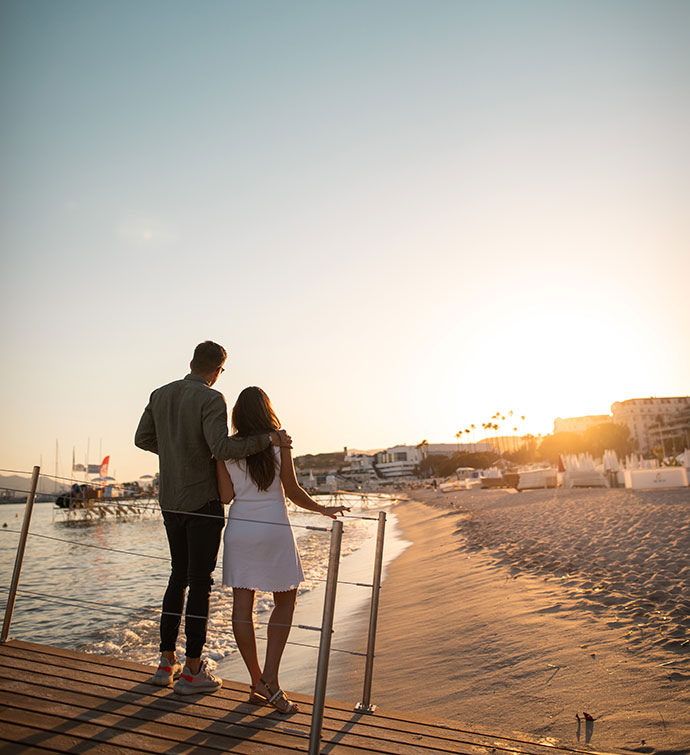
pixel 55 700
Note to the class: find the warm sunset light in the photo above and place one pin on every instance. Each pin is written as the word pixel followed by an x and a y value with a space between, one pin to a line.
pixel 395 231
pixel 434 258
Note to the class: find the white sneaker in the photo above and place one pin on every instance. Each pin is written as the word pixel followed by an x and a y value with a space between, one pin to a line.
pixel 192 684
pixel 166 672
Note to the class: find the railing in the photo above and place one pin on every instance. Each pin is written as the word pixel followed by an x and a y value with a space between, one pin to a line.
pixel 326 628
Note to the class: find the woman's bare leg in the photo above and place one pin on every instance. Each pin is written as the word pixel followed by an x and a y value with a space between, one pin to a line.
pixel 278 632
pixel 243 627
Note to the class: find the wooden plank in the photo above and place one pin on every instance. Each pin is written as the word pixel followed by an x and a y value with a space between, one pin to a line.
pixel 115 666
pixel 20 694
pixel 91 675
pixel 372 736
pixel 181 728
pixel 337 710
pixel 152 697
pixel 351 746
pixel 216 735
pixel 386 731
pixel 25 738
pixel 48 726
pixel 383 741
pixel 338 713
pixel 89 663
pixel 56 667
pixel 10 748
pixel 31 683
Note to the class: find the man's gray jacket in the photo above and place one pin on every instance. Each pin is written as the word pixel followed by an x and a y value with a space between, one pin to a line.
pixel 186 424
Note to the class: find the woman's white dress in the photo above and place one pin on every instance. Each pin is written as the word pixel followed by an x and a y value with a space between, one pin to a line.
pixel 259 551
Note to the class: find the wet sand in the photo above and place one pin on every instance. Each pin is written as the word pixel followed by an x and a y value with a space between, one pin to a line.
pixel 517 611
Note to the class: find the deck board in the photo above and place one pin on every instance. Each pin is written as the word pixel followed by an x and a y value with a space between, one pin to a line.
pixel 58 700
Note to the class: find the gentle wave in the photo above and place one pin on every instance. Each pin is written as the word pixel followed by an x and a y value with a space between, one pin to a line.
pixel 65 573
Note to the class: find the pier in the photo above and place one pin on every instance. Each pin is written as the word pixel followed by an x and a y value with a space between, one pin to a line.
pixel 57 700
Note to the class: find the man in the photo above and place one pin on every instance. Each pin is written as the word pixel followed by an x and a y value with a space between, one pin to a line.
pixel 186 424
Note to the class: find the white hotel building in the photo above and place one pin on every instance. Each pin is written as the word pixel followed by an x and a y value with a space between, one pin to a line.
pixel 648 418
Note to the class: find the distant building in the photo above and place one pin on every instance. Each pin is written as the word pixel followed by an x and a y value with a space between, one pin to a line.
pixel 673 435
pixel 398 461
pixel 448 449
pixel 651 419
pixel 579 424
pixel 444 449
pixel 358 465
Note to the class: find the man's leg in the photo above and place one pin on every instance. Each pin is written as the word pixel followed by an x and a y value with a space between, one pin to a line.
pixel 173 600
pixel 169 667
pixel 203 541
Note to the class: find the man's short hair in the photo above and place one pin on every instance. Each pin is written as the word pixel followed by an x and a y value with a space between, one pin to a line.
pixel 208 356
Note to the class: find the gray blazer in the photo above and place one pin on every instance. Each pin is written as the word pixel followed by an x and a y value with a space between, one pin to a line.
pixel 186 424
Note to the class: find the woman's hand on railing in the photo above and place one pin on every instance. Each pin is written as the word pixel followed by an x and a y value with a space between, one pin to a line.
pixel 333 511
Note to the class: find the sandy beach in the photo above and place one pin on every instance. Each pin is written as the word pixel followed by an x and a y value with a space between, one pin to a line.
pixel 518 611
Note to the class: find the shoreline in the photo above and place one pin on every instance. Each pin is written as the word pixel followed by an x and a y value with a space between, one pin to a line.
pixel 467 633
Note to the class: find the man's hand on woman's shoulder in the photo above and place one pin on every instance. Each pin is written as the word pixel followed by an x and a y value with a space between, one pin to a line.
pixel 281 438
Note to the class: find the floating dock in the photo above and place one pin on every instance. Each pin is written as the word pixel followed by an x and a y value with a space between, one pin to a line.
pixel 56 700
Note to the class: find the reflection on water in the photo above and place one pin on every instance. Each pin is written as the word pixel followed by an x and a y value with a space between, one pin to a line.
pixel 68 572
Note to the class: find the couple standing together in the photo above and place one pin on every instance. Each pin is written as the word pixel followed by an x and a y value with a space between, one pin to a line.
pixel 201 468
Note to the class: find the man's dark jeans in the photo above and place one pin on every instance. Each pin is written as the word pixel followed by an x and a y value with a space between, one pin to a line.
pixel 194 541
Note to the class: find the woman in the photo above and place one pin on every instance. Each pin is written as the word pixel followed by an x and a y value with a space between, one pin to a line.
pixel 259 547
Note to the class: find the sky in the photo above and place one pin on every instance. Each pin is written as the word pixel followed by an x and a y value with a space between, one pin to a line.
pixel 398 217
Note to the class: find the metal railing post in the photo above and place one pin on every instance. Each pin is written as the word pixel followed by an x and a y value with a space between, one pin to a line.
pixel 12 594
pixel 325 644
pixel 365 705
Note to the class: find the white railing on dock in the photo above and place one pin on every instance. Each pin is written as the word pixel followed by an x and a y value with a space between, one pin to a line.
pixel 326 628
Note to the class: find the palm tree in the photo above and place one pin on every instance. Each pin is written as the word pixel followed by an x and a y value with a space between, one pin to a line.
pixel 473 428
pixel 498 442
pixel 458 435
pixel 496 427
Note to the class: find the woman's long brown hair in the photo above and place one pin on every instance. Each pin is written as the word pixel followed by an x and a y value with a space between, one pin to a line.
pixel 254 415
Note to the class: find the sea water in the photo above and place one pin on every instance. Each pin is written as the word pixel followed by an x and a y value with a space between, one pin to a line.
pixel 74 593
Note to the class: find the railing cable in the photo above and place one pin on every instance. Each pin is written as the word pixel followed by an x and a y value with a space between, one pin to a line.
pixel 148 555
pixel 118 609
pixel 132 609
pixel 89 545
